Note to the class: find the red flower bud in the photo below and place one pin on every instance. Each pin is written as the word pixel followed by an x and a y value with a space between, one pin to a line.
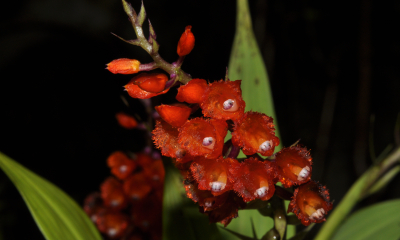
pixel 255 132
pixel 124 66
pixel 186 42
pixel 147 85
pixel 152 82
pixel 293 166
pixel 174 115
pixel 126 121
pixel 193 91
pixel 310 203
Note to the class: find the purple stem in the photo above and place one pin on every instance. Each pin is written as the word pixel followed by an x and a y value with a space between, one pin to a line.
pixel 147 66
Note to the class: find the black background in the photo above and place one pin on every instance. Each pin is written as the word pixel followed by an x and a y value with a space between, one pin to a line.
pixel 332 65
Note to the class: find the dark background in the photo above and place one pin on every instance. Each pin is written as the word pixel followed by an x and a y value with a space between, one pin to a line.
pixel 333 68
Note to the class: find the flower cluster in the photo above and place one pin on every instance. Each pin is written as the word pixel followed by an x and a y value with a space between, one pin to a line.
pixel 214 176
pixel 129 203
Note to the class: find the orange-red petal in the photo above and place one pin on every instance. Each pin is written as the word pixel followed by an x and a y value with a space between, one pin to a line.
pixel 227 211
pixel 193 91
pixel 174 115
pixel 293 166
pixel 203 197
pixel 112 194
pixel 113 224
pixel 212 174
pixel 186 42
pixel 155 173
pixel 147 214
pixel 310 203
pixel 255 132
pixel 124 66
pixel 136 92
pixel 92 205
pixel 253 180
pixel 223 100
pixel 198 136
pixel 121 166
pixel 151 82
pixel 165 137
pixel 137 187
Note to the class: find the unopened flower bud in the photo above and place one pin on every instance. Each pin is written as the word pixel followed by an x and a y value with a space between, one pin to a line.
pixel 186 42
pixel 124 66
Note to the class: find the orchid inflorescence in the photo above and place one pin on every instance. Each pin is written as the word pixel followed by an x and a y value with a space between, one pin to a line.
pixel 129 203
pixel 214 176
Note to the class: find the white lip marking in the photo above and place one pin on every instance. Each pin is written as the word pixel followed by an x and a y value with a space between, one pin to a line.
pixel 208 203
pixel 112 232
pixel 230 105
pixel 123 168
pixel 217 186
pixel 261 192
pixel 265 146
pixel 319 214
pixel 114 203
pixel 304 173
pixel 209 142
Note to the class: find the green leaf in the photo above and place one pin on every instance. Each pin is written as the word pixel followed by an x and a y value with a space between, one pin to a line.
pixel 358 191
pixel 56 214
pixel 246 64
pixel 181 216
pixel 379 221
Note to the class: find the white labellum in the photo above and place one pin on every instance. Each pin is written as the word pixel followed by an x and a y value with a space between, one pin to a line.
pixel 261 192
pixel 319 214
pixel 304 173
pixel 230 105
pixel 209 142
pixel 217 186
pixel 265 146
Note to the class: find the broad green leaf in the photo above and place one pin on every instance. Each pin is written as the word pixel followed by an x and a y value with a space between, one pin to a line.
pixel 56 214
pixel 379 221
pixel 246 64
pixel 181 216
pixel 358 191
